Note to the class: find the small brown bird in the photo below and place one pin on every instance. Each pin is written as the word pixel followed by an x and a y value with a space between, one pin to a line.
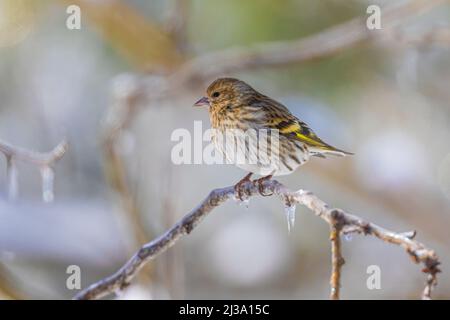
pixel 234 105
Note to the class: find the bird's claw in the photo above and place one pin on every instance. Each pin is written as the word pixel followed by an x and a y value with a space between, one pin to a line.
pixel 238 186
pixel 260 183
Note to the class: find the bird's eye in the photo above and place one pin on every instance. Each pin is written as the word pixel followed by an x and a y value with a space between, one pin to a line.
pixel 215 94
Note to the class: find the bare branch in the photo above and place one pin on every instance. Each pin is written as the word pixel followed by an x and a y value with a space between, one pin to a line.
pixel 337 261
pixel 44 160
pixel 11 171
pixel 40 159
pixel 329 42
pixel 339 221
pixel 323 44
pixel 138 39
pixel 436 36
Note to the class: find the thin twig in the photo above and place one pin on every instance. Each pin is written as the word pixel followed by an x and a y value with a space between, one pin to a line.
pixel 43 160
pixel 336 218
pixel 337 261
pixel 40 159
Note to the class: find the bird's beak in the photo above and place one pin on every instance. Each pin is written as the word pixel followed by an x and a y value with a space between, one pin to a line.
pixel 202 102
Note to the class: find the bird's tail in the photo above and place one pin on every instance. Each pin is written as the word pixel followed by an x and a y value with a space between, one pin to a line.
pixel 328 149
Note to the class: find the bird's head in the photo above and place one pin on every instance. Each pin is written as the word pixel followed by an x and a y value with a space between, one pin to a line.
pixel 226 92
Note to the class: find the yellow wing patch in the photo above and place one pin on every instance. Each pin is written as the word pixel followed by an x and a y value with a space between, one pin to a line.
pixel 291 128
pixel 311 139
pixel 301 131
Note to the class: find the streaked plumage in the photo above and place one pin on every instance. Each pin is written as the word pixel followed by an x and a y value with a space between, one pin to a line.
pixel 233 104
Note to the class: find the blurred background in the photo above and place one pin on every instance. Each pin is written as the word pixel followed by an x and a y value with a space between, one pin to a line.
pixel 386 100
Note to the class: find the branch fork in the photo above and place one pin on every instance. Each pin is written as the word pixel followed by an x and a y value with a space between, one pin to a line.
pixel 45 161
pixel 340 222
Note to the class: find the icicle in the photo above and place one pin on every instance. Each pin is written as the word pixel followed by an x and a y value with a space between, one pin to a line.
pixel 244 203
pixel 48 177
pixel 289 211
pixel 11 171
pixel 119 294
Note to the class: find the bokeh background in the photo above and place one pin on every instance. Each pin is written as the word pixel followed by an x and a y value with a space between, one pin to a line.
pixel 385 100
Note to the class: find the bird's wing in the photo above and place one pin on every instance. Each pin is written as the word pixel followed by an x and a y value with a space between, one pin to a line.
pixel 279 117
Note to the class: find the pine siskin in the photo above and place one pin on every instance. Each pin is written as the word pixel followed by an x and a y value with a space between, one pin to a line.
pixel 234 105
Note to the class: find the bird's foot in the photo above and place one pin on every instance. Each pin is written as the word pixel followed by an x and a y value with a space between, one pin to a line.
pixel 260 182
pixel 238 187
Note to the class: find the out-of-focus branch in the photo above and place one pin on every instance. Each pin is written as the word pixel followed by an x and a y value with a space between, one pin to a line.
pixel 177 21
pixel 341 177
pixel 40 159
pixel 339 221
pixel 437 36
pixel 8 288
pixel 323 44
pixel 125 97
pixel 43 160
pixel 143 43
pixel 145 90
pixel 119 115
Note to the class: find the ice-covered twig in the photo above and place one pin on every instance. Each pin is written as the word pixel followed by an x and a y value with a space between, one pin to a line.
pixel 44 160
pixel 12 180
pixel 340 223
pixel 40 159
pixel 337 260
